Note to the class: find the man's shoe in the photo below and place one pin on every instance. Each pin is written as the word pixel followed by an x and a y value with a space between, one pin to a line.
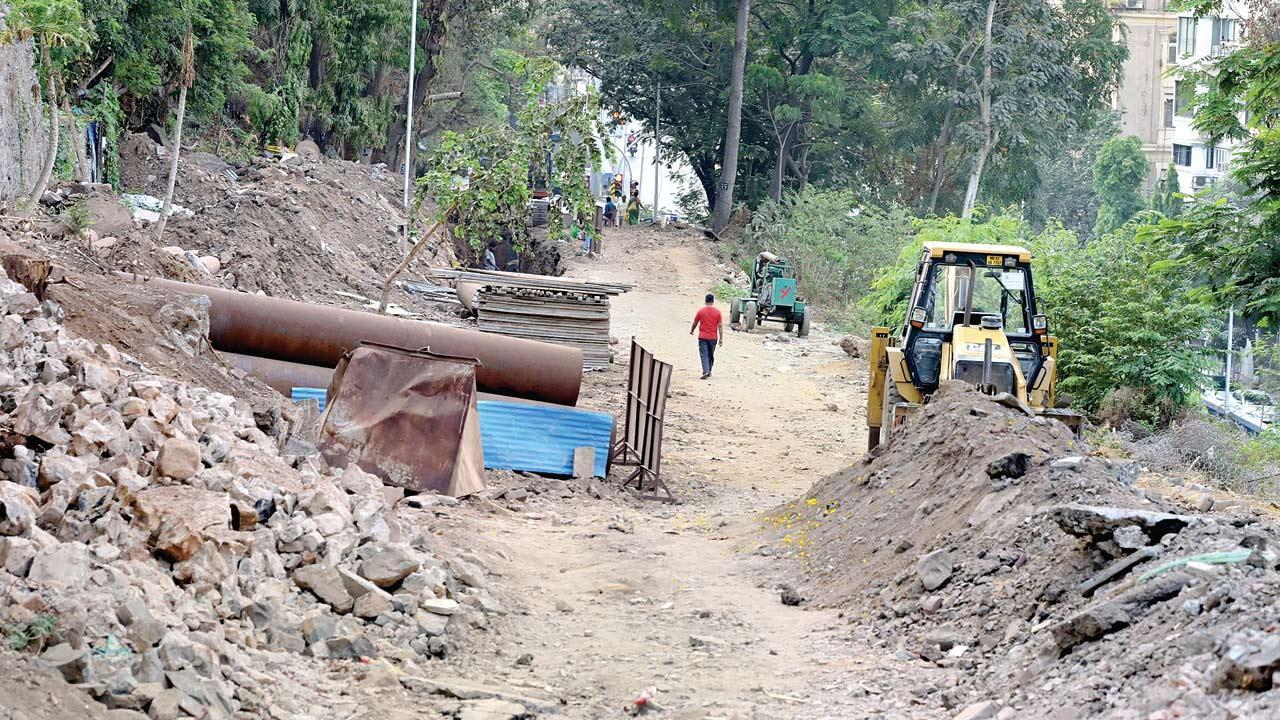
pixel 705 376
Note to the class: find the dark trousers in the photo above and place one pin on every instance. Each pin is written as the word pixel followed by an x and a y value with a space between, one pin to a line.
pixel 707 351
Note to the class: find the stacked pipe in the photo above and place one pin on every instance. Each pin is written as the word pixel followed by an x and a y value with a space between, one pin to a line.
pixel 315 335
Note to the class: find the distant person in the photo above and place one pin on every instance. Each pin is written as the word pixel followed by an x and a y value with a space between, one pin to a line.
pixel 490 260
pixel 633 209
pixel 710 326
pixel 610 212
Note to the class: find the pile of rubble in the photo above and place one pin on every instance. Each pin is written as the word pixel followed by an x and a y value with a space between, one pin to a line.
pixel 164 543
pixel 1040 580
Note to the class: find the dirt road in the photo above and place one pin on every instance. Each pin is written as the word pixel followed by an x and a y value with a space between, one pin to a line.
pixel 618 597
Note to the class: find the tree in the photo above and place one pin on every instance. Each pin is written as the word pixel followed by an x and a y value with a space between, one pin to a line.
pixel 733 122
pixel 184 81
pixel 1009 72
pixel 60 36
pixel 1231 243
pixel 1167 198
pixel 1118 172
pixel 687 50
pixel 479 179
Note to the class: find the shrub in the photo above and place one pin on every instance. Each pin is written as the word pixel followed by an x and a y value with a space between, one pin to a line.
pixel 836 244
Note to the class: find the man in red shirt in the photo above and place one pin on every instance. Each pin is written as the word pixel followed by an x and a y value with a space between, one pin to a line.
pixel 710 326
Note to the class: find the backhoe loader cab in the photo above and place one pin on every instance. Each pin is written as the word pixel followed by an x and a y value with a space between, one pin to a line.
pixel 972 317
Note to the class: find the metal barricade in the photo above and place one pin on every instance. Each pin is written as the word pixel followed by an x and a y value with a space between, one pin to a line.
pixel 648 380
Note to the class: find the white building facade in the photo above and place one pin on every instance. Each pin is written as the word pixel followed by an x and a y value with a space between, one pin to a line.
pixel 1200 163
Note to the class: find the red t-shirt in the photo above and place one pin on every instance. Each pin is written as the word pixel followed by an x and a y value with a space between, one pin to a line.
pixel 708 319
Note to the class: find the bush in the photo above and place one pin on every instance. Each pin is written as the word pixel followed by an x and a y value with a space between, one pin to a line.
pixel 1127 318
pixel 836 244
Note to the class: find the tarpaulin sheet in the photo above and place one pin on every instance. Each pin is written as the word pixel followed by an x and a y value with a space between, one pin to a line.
pixel 320 395
pixel 541 438
pixel 407 416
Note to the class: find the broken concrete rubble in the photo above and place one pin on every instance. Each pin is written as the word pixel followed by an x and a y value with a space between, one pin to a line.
pixel 157 524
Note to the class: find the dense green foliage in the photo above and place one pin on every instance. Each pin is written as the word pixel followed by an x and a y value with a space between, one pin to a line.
pixel 1231 242
pixel 1128 320
pixel 877 96
pixel 479 179
pixel 1167 198
pixel 835 241
pixel 1118 172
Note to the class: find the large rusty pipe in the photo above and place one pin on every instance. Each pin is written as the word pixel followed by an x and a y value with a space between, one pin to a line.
pixel 283 376
pixel 298 332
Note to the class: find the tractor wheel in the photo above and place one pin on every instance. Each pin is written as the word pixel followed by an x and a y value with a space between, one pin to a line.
pixel 788 326
pixel 735 311
pixel 891 398
pixel 804 325
pixel 751 316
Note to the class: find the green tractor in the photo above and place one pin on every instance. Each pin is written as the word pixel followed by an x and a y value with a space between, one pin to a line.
pixel 774 296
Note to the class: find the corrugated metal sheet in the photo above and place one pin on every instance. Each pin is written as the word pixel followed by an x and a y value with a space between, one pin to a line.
pixel 541 438
pixel 320 395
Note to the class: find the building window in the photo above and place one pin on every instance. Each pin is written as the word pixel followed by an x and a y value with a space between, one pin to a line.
pixel 1168 112
pixel 1186 36
pixel 1173 48
pixel 1210 158
pixel 1183 93
pixel 1182 155
pixel 1222 36
pixel 1135 4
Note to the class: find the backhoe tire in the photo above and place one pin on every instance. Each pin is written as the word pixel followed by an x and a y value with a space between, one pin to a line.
pixel 891 398
pixel 750 316
pixel 735 311
pixel 804 325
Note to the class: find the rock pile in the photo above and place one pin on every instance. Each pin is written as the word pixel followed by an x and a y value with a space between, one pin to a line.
pixel 173 542
pixel 1044 581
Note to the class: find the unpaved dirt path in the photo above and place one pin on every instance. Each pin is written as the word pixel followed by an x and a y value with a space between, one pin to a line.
pixel 620 597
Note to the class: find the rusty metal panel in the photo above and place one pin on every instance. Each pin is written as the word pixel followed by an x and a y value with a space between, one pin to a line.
pixel 407 416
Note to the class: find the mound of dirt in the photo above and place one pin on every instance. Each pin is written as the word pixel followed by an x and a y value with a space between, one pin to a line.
pixel 989 543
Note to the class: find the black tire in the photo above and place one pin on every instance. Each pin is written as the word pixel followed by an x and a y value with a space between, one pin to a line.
pixel 735 311
pixel 803 331
pixel 751 316
pixel 788 326
pixel 891 397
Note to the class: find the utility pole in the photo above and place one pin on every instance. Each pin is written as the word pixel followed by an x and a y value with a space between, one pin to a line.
pixel 408 107
pixel 1231 330
pixel 657 151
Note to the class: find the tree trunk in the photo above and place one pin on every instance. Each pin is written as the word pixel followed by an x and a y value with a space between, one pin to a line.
pixel 733 129
pixel 52 155
pixel 989 135
pixel 173 165
pixel 432 17
pixel 940 163
pixel 780 166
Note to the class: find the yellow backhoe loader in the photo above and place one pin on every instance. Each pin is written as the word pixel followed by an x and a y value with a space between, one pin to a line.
pixel 972 317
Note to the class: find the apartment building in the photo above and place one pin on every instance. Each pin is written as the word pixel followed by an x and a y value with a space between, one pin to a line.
pixel 1144 98
pixel 1200 163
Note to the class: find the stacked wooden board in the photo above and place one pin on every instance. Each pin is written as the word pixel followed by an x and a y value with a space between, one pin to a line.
pixel 540 307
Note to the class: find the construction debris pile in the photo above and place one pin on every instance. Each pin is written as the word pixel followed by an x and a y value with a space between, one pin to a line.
pixel 162 545
pixel 1042 580
pixel 538 307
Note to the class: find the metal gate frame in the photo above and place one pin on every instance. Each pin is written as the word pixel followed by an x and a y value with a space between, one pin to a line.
pixel 648 380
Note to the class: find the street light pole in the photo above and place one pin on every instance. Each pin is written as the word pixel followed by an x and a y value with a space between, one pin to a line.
pixel 657 151
pixel 408 106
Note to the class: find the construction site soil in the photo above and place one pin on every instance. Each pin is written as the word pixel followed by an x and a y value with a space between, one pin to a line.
pixel 1041 580
pixel 171 546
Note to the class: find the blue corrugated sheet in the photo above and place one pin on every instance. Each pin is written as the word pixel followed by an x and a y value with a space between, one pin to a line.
pixel 318 394
pixel 541 438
